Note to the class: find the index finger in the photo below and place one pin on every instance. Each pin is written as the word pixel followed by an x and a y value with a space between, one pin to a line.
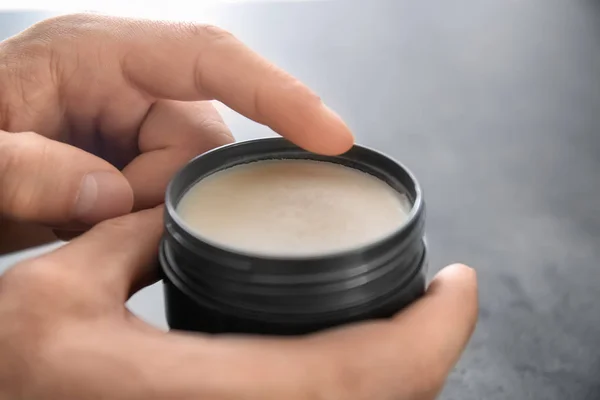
pixel 198 62
pixel 121 254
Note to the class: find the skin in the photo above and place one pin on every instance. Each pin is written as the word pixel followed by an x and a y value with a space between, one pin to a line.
pixel 96 114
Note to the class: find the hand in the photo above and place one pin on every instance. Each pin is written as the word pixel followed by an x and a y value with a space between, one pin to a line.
pixel 117 106
pixel 66 334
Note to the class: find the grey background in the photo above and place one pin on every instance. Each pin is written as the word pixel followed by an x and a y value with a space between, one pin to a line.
pixel 495 105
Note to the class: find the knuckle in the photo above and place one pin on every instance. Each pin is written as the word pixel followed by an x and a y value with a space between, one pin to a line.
pixel 43 289
pixel 33 279
pixel 205 32
pixel 51 49
pixel 209 37
pixel 21 159
pixel 212 32
pixel 62 25
pixel 217 134
pixel 28 293
pixel 40 40
pixel 29 67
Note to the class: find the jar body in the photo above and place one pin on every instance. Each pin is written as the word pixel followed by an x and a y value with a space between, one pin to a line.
pixel 185 311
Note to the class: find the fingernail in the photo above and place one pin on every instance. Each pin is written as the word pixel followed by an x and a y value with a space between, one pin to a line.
pixel 103 195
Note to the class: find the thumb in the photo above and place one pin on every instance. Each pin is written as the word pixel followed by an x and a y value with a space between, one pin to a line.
pixel 411 355
pixel 436 329
pixel 49 182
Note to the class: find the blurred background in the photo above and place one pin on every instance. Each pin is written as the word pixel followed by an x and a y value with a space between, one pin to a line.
pixel 495 105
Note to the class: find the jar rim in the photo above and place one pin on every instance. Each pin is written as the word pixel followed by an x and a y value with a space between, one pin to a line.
pixel 278 144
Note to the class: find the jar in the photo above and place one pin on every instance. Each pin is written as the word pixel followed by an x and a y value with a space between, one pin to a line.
pixel 213 289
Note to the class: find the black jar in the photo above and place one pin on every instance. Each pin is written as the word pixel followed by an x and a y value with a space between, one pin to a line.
pixel 212 289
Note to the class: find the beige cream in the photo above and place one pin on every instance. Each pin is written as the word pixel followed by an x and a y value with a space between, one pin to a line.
pixel 292 208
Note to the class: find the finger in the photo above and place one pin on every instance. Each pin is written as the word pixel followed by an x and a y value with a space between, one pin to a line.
pixel 408 357
pixel 208 367
pixel 420 346
pixel 445 318
pixel 52 183
pixel 120 253
pixel 185 62
pixel 198 62
pixel 172 134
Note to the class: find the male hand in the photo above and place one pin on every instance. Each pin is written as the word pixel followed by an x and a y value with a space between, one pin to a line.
pixel 66 334
pixel 117 106
pixel 97 113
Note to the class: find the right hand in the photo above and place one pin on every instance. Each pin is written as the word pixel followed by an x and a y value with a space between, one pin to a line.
pixel 97 114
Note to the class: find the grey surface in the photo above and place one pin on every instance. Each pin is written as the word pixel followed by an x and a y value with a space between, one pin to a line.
pixel 495 105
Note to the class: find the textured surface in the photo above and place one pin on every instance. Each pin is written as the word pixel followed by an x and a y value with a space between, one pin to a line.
pixel 495 105
pixel 293 208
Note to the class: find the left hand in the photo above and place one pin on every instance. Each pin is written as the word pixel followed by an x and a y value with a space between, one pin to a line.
pixel 97 113
pixel 65 334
